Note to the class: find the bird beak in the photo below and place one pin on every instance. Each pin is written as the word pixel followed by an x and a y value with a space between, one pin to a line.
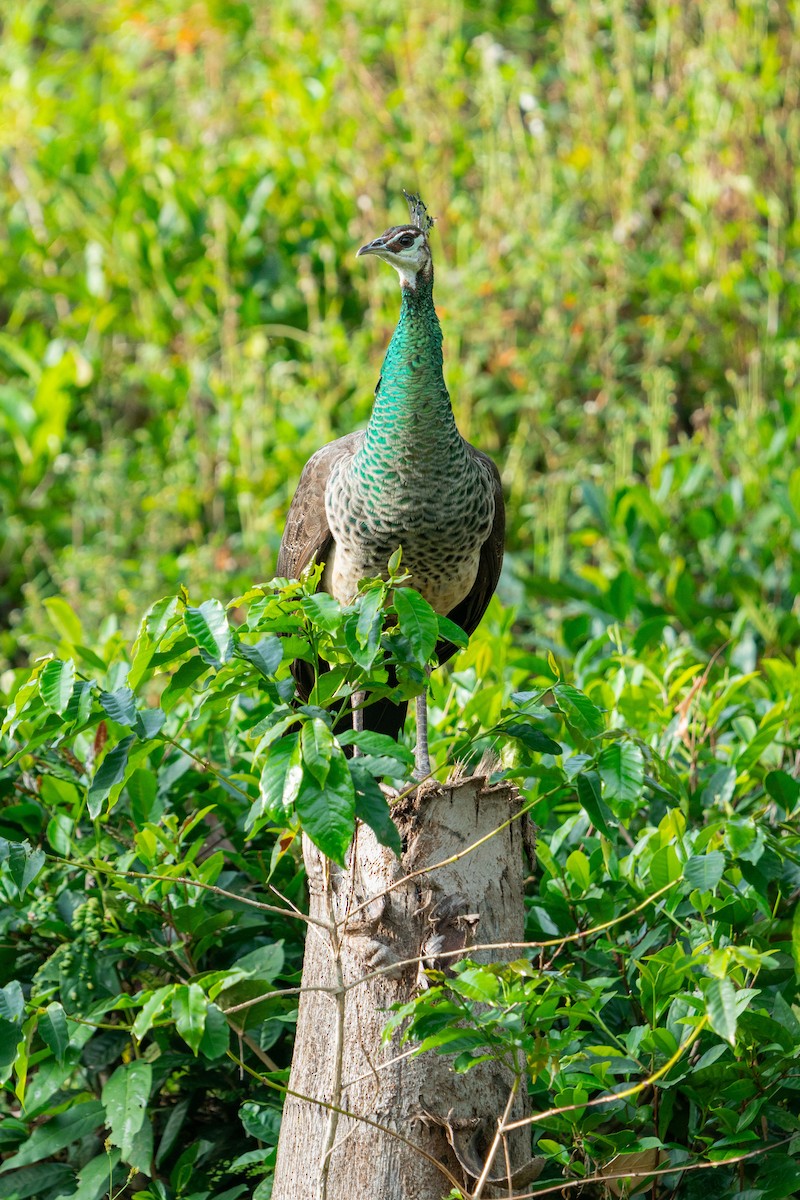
pixel 371 247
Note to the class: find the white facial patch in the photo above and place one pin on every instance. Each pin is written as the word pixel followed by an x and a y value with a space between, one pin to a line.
pixel 407 261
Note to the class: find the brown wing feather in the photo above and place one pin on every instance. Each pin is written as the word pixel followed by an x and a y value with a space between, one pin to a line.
pixel 468 613
pixel 306 534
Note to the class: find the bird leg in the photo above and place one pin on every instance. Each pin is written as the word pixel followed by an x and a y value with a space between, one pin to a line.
pixel 422 761
pixel 357 702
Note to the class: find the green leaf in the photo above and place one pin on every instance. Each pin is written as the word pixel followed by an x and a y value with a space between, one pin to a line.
pixel 704 871
pixel 24 863
pixel 272 782
pixel 368 619
pixel 783 788
pixel 153 1006
pixel 665 867
pixel 141 787
pixel 125 1098
pixel 57 1133
pixel 796 940
pixel 53 1030
pixel 328 813
pixel 36 1182
pixel 189 1010
pixel 590 797
pixel 378 744
pixel 93 1179
pixel 208 628
pixel 323 611
pixel 418 622
pixel 65 620
pixel 721 1008
pixel 621 768
pixel 578 710
pixel 578 867
pixel 12 1002
pixel 186 674
pixel 372 808
pixel 56 683
pixel 531 736
pixel 216 1034
pixel 316 745
pixel 110 772
pixel 450 632
pixel 266 656
pixel 120 705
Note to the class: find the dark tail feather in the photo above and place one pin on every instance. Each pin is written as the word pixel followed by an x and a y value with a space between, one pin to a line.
pixel 381 716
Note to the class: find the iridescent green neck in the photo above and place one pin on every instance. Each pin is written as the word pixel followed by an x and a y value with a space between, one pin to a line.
pixel 412 407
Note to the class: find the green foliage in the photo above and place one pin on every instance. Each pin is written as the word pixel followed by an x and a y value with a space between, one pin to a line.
pixel 664 964
pixel 184 323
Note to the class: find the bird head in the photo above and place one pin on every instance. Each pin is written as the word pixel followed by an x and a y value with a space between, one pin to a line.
pixel 406 247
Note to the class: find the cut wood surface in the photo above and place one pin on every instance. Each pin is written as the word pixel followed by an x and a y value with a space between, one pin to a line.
pixel 423 1129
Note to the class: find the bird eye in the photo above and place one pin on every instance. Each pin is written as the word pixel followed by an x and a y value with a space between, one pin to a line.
pixel 407 239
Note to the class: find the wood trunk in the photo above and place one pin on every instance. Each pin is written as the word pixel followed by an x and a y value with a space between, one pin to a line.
pixel 412 1104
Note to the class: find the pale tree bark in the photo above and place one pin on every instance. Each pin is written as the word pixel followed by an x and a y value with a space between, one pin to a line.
pixel 423 1129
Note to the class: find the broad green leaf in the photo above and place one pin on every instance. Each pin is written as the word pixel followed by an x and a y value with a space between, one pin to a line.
pixel 665 867
pixel 450 632
pixel 261 1121
pixel 209 629
pixel 64 618
pixel 266 656
pixel 216 1034
pixel 12 1002
pixel 621 768
pixel 125 1098
pixel 151 1009
pixel 704 871
pixel 328 813
pixel 316 745
pixel 189 1010
pixel 721 1008
pixel 589 794
pixel 110 772
pixel 578 867
pixel 372 808
pixel 120 705
pixel 180 683
pixel 323 611
pixel 93 1178
pixel 272 783
pixel 796 940
pixel 578 709
pixel 40 1180
pixel 56 683
pixel 53 1029
pixel 24 864
pixel 531 735
pixel 368 620
pixel 149 722
pixel 141 787
pixel 57 1133
pixel 417 621
pixel 783 787
pixel 379 744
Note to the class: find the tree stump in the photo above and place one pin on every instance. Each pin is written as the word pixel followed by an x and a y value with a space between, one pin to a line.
pixel 386 938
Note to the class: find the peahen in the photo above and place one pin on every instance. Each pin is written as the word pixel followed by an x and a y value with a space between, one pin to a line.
pixel 409 479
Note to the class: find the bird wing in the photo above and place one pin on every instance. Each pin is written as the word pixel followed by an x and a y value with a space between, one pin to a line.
pixel 469 611
pixel 306 535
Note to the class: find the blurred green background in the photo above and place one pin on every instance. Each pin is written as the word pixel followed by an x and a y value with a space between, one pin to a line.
pixel 617 247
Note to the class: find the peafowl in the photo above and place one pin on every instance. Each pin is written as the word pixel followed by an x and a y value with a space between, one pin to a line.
pixel 409 479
